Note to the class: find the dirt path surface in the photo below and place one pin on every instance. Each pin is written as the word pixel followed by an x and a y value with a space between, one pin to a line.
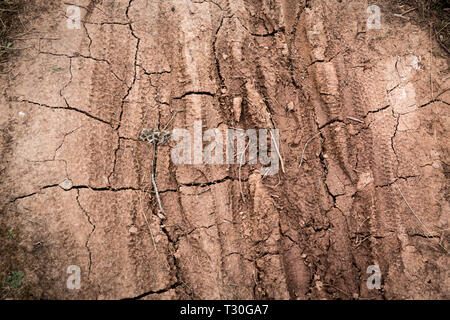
pixel 363 122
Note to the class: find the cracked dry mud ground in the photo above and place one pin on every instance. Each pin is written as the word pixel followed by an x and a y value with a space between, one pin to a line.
pixel 372 105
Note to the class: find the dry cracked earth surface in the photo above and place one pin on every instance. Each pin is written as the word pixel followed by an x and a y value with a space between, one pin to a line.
pixel 363 121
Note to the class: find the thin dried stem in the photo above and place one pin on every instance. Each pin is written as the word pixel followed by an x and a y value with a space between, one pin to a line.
pixel 304 148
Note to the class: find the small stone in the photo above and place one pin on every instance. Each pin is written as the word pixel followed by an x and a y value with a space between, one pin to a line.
pixel 133 230
pixel 355 296
pixel 319 285
pixel 161 216
pixel 303 256
pixel 436 165
pixel 415 63
pixel 352 130
pixel 29 247
pixel 21 114
pixel 66 184
pixel 290 106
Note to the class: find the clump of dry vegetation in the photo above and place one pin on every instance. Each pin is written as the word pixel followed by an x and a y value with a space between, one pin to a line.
pixel 438 14
pixel 432 14
pixel 10 23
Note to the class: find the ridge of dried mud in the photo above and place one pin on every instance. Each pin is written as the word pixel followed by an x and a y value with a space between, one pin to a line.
pixel 373 111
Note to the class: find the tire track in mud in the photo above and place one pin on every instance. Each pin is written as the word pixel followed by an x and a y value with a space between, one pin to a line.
pixel 340 168
pixel 205 275
pixel 108 42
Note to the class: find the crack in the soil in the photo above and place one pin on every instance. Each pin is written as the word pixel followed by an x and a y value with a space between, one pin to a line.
pixel 103 23
pixel 56 151
pixel 269 34
pixel 79 55
pixel 116 150
pixel 90 234
pixel 397 118
pixel 317 61
pixel 214 51
pixel 189 93
pixel 138 41
pixel 85 187
pixel 33 194
pixel 211 183
pixel 397 179
pixel 376 111
pixel 110 189
pixel 164 290
pixel 328 123
pixel 89 37
pixel 68 83
pixel 151 73
pixel 213 2
pixel 421 235
pixel 433 101
pixel 67 107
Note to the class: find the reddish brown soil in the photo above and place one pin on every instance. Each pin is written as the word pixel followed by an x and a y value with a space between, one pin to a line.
pixel 372 188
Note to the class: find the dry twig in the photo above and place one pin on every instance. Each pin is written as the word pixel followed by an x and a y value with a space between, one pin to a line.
pixel 306 144
pixel 143 212
pixel 155 188
pixel 240 165
pixel 278 152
